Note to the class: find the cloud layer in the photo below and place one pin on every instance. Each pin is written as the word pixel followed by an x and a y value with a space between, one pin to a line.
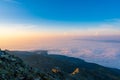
pixel 104 53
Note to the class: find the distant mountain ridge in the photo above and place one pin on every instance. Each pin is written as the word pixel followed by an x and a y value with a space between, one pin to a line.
pixel 67 65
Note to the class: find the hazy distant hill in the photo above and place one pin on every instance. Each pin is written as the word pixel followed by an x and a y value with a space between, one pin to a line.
pixel 68 67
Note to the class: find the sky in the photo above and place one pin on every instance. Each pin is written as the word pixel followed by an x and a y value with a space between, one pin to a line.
pixel 86 29
pixel 26 22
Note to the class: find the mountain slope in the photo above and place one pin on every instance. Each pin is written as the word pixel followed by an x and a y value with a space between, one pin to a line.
pixel 13 68
pixel 67 65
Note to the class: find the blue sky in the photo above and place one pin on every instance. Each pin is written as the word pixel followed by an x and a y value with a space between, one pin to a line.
pixel 62 15
pixel 60 10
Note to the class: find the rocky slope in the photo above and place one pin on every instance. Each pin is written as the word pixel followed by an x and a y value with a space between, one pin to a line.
pixel 13 68
pixel 68 68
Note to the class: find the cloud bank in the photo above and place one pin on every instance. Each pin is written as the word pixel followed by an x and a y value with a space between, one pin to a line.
pixel 103 53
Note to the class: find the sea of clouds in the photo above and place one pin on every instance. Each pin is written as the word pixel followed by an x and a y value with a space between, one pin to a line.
pixel 102 50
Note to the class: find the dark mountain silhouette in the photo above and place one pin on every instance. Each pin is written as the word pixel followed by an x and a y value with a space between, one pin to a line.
pixel 67 68
pixel 13 68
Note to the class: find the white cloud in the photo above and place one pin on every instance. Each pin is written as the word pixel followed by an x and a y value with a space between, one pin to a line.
pixel 12 1
pixel 103 53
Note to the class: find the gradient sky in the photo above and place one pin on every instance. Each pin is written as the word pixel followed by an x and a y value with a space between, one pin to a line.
pixel 24 21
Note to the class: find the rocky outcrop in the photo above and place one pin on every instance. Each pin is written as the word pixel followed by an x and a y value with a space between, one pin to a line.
pixel 13 68
pixel 76 71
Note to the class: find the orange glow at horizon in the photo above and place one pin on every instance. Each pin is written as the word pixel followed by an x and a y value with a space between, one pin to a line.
pixel 12 37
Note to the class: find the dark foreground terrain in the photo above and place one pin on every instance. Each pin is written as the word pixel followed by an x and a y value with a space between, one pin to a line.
pixel 43 66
